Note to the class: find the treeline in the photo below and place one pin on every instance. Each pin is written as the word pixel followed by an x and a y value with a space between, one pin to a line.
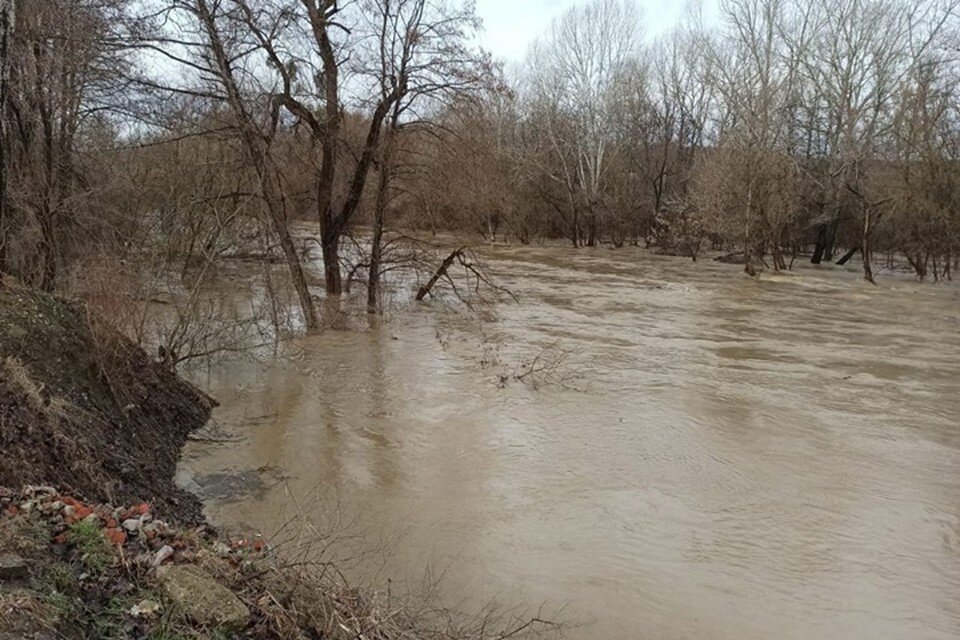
pixel 176 132
pixel 777 127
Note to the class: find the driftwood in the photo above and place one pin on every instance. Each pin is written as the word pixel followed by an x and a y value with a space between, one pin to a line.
pixel 846 257
pixel 473 282
pixel 732 258
pixel 440 272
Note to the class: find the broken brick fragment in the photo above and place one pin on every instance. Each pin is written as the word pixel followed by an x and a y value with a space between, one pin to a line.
pixel 115 536
pixel 80 512
pixel 136 511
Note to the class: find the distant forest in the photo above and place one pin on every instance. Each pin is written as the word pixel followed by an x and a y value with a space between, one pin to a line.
pixel 138 133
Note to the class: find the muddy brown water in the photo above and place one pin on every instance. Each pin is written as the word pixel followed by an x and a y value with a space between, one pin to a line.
pixel 706 455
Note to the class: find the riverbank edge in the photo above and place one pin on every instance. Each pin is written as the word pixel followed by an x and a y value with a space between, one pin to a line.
pixel 83 407
pixel 96 540
pixel 73 569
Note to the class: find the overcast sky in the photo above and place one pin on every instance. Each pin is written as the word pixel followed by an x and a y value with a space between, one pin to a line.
pixel 511 25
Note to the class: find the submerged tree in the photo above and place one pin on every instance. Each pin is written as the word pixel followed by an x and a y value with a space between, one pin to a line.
pixel 422 61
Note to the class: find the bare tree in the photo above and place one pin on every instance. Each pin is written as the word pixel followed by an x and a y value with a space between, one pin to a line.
pixel 258 138
pixel 7 22
pixel 65 68
pixel 865 51
pixel 422 61
pixel 571 74
pixel 918 184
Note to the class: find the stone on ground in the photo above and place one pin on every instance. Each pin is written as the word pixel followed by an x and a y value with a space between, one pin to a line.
pixel 13 567
pixel 203 599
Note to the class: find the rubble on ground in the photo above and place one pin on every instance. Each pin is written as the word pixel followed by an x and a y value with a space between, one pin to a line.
pixel 68 567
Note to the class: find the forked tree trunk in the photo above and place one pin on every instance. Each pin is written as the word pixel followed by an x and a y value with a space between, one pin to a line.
pixel 380 210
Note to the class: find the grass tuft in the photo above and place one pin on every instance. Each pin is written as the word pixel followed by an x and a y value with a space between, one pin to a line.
pixel 93 548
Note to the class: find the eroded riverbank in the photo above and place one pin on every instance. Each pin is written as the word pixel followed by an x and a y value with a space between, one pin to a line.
pixel 731 458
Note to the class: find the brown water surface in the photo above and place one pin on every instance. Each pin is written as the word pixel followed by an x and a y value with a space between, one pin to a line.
pixel 712 456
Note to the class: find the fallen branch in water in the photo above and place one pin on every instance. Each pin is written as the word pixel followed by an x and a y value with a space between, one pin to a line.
pixel 476 273
pixel 548 366
pixel 439 273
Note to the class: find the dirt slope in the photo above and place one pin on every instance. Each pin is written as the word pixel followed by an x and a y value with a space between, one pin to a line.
pixel 82 406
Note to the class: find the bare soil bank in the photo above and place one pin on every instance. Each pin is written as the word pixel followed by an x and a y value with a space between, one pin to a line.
pixel 83 407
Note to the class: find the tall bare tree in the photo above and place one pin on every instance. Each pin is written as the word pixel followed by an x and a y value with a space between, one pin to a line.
pixel 66 65
pixel 422 60
pixel 7 22
pixel 256 114
pixel 571 75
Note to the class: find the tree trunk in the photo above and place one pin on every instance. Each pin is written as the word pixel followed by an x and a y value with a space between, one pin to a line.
pixel 846 257
pixel 917 262
pixel 297 275
pixel 330 244
pixel 821 244
pixel 277 210
pixel 747 242
pixel 48 252
pixel 6 29
pixel 591 227
pixel 865 249
pixel 776 252
pixel 830 240
pixel 575 226
pixel 440 272
pixel 826 236
pixel 376 246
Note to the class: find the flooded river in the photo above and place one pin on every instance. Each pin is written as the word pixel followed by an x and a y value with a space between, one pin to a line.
pixel 703 456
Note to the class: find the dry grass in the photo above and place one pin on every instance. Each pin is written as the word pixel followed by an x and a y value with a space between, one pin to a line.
pixel 19 378
pixel 315 597
pixel 304 585
pixel 23 615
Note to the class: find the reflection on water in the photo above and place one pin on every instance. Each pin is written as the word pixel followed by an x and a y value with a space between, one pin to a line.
pixel 742 459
